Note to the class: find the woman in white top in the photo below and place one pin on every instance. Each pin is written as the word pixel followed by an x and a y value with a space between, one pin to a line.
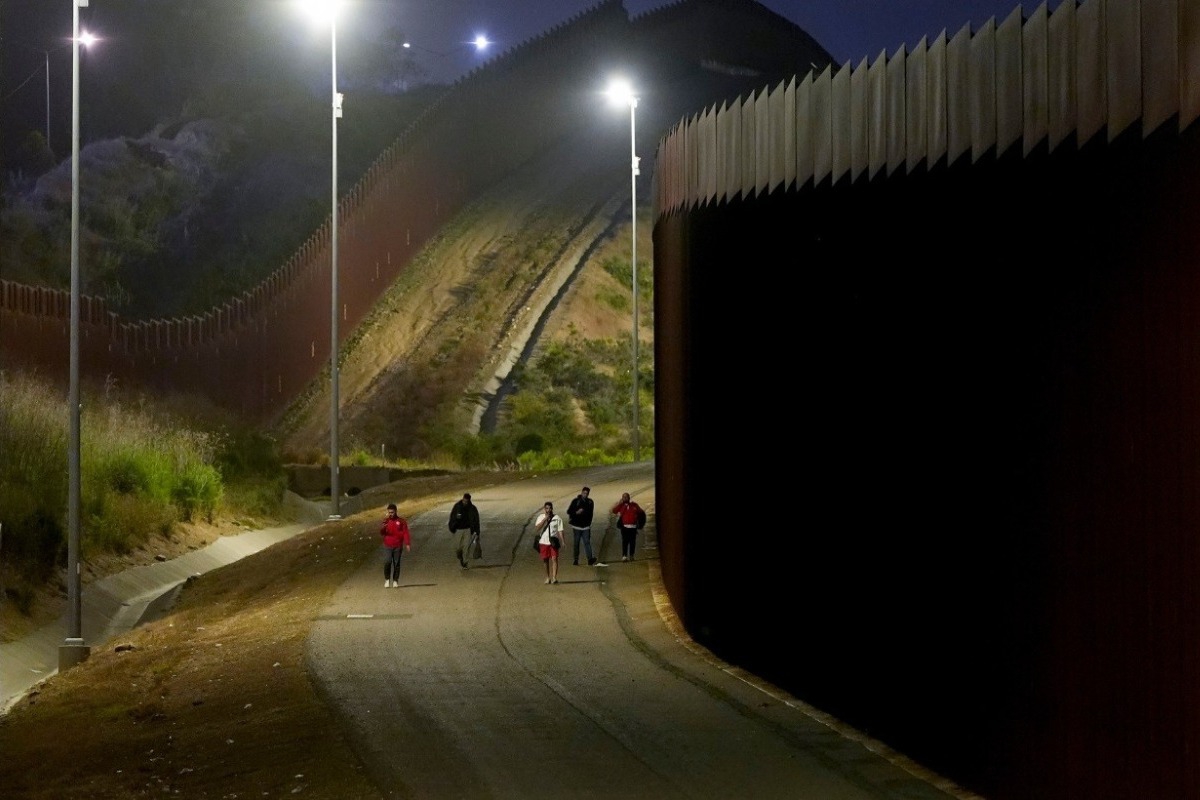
pixel 549 527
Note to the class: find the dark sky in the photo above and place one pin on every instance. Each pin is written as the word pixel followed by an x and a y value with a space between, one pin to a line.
pixel 849 29
pixel 440 31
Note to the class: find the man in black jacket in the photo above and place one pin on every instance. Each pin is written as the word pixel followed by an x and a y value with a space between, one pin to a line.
pixel 464 520
pixel 579 517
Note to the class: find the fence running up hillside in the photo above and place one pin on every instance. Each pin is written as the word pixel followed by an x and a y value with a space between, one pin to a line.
pixel 257 351
pixel 1054 77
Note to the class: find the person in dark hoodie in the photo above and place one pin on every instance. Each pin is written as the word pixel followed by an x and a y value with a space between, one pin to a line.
pixel 579 517
pixel 464 520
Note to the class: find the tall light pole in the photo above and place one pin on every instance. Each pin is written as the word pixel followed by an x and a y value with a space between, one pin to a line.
pixel 621 92
pixel 47 54
pixel 73 650
pixel 334 457
pixel 327 9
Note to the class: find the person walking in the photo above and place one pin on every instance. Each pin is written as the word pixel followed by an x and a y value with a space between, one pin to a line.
pixel 396 539
pixel 464 520
pixel 629 515
pixel 579 516
pixel 549 528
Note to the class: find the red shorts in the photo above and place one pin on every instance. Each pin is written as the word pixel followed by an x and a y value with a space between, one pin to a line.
pixel 548 552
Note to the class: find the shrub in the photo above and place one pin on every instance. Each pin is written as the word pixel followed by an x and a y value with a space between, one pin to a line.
pixel 249 453
pixel 141 471
pixel 197 488
pixel 122 523
pixel 127 473
pixel 260 496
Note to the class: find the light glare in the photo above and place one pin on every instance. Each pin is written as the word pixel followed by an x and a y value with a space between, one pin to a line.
pixel 321 11
pixel 620 93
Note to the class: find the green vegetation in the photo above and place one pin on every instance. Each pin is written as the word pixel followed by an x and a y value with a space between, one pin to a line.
pixel 142 470
pixel 573 409
pixel 621 272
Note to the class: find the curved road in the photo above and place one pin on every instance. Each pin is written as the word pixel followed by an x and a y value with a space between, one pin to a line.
pixel 488 683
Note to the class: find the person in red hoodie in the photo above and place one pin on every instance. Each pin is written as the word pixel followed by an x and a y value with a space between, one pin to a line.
pixel 396 538
pixel 629 514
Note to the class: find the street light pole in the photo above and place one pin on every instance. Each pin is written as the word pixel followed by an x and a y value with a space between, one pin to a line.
pixel 334 460
pixel 619 91
pixel 47 54
pixel 73 650
pixel 326 11
pixel 633 173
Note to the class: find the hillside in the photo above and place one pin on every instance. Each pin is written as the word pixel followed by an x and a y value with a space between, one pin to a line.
pixel 538 175
pixel 443 334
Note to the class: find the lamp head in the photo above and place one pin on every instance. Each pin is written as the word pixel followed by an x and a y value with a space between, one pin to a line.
pixel 620 93
pixel 321 11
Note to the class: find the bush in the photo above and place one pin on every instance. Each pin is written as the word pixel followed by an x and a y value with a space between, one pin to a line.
pixel 259 496
pixel 248 454
pixel 141 472
pixel 198 488
pixel 127 473
pixel 122 523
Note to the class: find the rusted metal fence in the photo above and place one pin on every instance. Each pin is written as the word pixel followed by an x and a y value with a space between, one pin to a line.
pixel 255 352
pixel 955 295
pixel 1065 77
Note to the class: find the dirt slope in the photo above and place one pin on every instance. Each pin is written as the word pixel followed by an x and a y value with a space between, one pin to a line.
pixel 456 321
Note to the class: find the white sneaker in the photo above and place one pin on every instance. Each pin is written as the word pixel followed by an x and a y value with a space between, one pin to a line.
pixel 624 558
pixel 547 580
pixel 387 584
pixel 599 564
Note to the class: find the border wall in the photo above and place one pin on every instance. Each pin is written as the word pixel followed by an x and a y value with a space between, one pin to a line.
pixel 949 300
pixel 258 351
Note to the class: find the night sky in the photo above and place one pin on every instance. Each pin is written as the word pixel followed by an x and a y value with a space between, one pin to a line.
pixel 440 32
pixel 849 29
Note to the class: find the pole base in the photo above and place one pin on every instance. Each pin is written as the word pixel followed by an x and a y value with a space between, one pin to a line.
pixel 72 653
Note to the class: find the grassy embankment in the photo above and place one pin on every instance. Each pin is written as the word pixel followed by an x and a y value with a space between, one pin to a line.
pixel 144 470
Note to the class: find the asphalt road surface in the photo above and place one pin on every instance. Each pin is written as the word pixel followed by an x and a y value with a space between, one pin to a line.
pixel 488 683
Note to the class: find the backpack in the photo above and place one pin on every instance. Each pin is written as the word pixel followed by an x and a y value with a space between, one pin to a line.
pixel 641 522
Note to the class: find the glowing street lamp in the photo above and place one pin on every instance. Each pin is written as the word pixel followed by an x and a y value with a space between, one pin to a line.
pixel 326 10
pixel 73 650
pixel 620 92
pixel 480 43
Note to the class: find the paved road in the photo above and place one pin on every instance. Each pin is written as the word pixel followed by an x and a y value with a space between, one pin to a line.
pixel 488 683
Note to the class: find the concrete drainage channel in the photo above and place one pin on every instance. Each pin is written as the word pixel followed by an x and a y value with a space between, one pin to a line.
pixel 118 603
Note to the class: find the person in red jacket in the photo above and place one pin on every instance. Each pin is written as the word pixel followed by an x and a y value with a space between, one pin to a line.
pixel 396 539
pixel 629 514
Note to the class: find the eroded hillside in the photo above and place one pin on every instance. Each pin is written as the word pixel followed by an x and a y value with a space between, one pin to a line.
pixel 523 262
